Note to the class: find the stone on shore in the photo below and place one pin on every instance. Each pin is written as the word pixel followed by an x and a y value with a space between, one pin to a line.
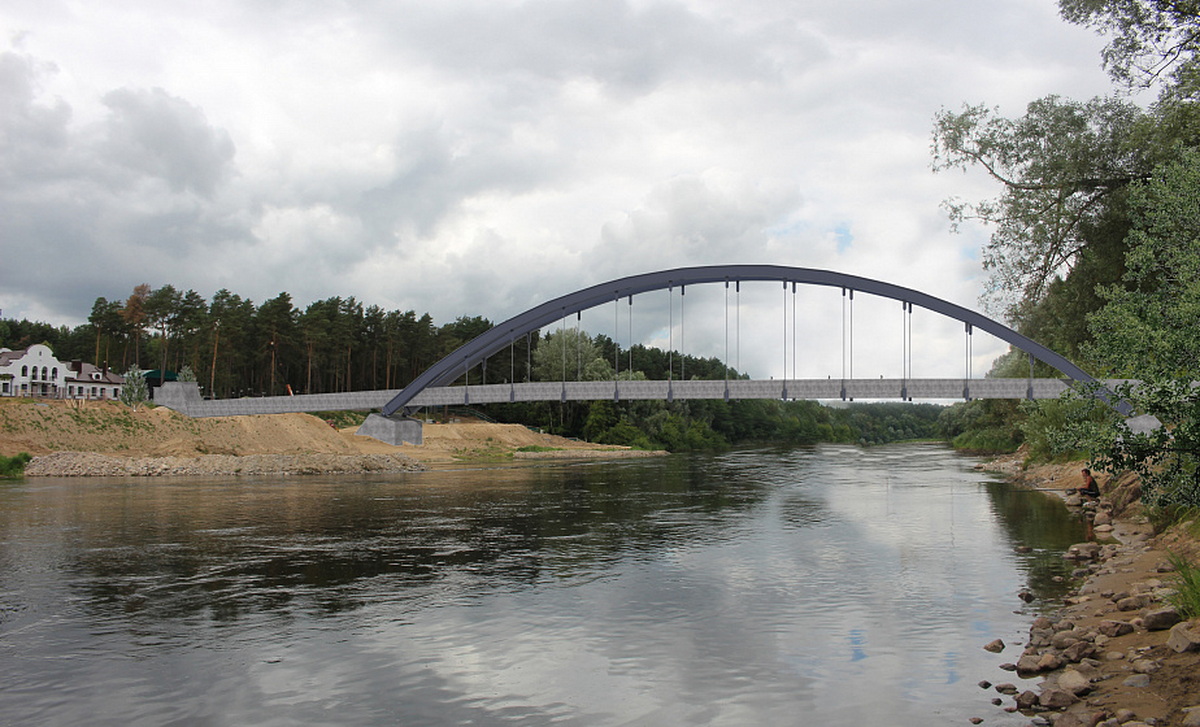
pixel 1138 681
pixel 1184 636
pixel 1049 661
pixel 995 646
pixel 1133 603
pixel 1114 629
pixel 1074 682
pixel 1160 619
pixel 1027 665
pixel 1057 699
pixel 1083 551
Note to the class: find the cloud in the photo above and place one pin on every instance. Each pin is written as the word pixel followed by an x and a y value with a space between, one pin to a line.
pixel 478 158
pixel 163 137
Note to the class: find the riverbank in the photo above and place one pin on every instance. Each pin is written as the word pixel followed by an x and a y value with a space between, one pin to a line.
pixel 1115 653
pixel 100 439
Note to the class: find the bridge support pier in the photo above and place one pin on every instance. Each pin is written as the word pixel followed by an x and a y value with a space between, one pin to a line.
pixel 395 431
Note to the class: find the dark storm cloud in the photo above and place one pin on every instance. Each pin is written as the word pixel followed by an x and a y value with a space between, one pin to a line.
pixel 89 210
pixel 158 135
pixel 32 135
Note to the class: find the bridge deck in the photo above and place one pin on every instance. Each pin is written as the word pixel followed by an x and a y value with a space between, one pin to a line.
pixel 187 400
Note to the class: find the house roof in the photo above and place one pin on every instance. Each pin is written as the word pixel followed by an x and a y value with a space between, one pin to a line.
pixel 85 376
pixel 7 356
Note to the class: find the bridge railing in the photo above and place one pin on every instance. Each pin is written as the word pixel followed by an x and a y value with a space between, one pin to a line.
pixel 189 402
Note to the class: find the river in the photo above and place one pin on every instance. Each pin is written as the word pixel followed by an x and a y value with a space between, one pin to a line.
pixel 831 585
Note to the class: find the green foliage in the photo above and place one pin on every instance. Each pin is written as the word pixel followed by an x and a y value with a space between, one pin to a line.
pixel 1042 423
pixel 14 466
pixel 1149 39
pixel 1148 327
pixel 1059 166
pixel 1186 584
pixel 186 375
pixel 134 391
pixel 570 354
pixel 342 419
pixel 626 435
pixel 981 425
pixel 1166 458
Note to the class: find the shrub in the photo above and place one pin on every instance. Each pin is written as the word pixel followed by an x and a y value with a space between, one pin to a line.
pixel 1186 598
pixel 14 466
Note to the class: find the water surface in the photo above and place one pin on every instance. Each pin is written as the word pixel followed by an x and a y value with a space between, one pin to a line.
pixel 833 585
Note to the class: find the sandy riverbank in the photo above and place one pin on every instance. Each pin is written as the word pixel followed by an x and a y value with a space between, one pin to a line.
pixel 1109 655
pixel 109 439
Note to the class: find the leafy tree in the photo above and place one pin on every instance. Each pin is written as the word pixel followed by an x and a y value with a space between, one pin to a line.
pixel 232 343
pixel 190 327
pixel 275 324
pixel 161 308
pixel 134 391
pixel 1150 40
pixel 108 324
pixel 134 314
pixel 1149 325
pixel 1148 329
pixel 569 354
pixel 1060 165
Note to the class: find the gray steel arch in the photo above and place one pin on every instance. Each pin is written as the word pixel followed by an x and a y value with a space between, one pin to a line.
pixel 473 352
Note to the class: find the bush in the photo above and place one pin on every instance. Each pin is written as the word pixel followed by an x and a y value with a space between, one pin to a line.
pixel 14 466
pixel 994 440
pixel 1186 598
pixel 1043 425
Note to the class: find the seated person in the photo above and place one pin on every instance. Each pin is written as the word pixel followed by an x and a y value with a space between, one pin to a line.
pixel 1090 488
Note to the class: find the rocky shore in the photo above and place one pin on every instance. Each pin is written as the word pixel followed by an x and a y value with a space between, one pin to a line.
pixel 1116 653
pixel 91 464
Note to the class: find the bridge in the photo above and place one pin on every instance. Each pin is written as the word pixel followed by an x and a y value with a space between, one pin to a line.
pixel 434 386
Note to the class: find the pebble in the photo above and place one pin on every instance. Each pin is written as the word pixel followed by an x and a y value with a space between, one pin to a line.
pixel 1137 681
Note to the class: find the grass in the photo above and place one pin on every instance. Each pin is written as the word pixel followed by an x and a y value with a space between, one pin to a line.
pixel 14 466
pixel 538 448
pixel 1186 598
pixel 342 419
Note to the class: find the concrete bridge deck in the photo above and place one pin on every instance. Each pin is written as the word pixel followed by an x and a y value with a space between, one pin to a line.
pixel 186 399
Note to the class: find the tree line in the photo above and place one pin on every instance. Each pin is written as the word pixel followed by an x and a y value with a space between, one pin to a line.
pixel 236 348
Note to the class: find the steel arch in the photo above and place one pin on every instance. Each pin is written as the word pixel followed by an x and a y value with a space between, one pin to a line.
pixel 467 356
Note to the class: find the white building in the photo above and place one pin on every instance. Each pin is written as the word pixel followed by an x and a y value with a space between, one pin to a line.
pixel 35 372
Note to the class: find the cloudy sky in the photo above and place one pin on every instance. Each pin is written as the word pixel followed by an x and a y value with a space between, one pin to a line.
pixel 477 157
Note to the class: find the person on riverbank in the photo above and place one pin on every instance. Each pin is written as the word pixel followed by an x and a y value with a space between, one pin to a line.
pixel 1090 489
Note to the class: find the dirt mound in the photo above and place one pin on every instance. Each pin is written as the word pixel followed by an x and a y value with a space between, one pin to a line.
pixel 110 428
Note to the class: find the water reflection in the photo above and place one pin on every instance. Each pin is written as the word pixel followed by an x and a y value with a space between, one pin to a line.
pixel 752 587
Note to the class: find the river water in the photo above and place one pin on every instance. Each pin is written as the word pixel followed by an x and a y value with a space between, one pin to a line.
pixel 832 585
